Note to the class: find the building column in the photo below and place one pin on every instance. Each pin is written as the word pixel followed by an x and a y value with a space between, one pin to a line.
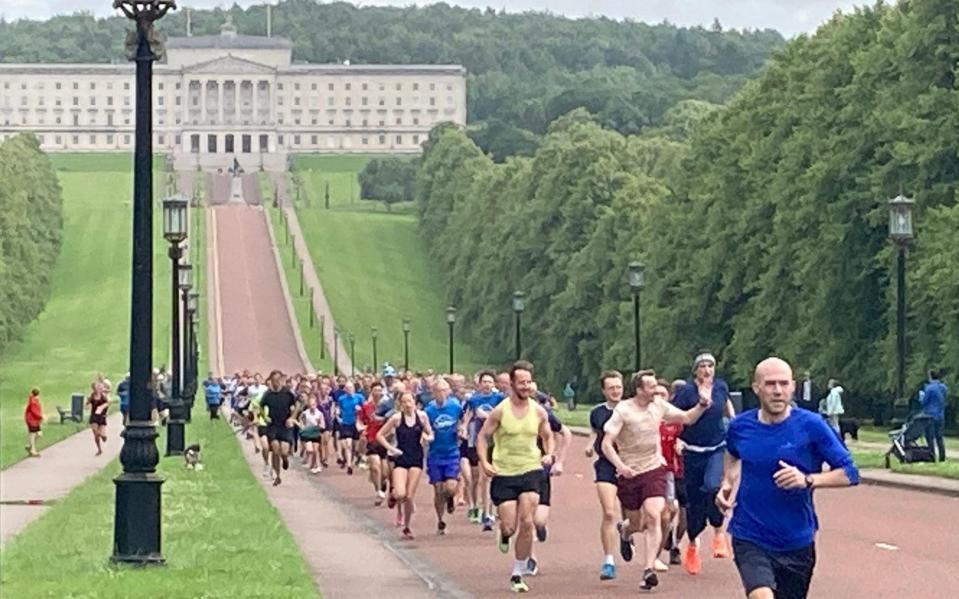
pixel 271 101
pixel 220 95
pixel 203 114
pixel 256 101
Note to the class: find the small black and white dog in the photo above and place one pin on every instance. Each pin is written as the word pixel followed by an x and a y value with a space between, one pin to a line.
pixel 849 426
pixel 192 457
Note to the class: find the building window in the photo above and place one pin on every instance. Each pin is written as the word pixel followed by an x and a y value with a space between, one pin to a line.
pixel 329 101
pixel 449 100
pixel 365 87
pixel 382 123
pixel 348 123
pixel 58 120
pixel 160 86
pixel 382 86
pixel 296 121
pixel 279 140
pixel 349 101
pixel 399 120
pixel 177 86
pixel 160 101
pixel 279 101
pixel 313 140
pixel 109 140
pixel 93 100
pixel 109 100
pixel 93 85
pixel 279 86
pixel 126 85
pixel 365 123
pixel 177 101
pixel 296 87
pixel 331 121
pixel 399 101
pixel 416 87
pixel 382 140
pixel 382 101
pixel 76 101
pixel 176 140
pixel 348 87
pixel 399 87
pixel 313 121
pixel 365 141
pixel 449 87
pixel 76 85
pixel 399 140
pixel 93 140
pixel 363 100
pixel 416 120
pixel 329 87
pixel 432 86
pixel 76 120
pixel 58 140
pixel 416 139
pixel 126 140
pixel 432 101
pixel 58 85
pixel 296 101
pixel 161 139
pixel 313 86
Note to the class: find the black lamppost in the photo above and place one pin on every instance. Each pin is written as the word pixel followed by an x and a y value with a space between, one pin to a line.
pixel 373 337
pixel 336 351
pixel 175 232
pixel 519 304
pixel 406 344
pixel 192 350
pixel 451 320
pixel 184 409
pixel 901 234
pixel 352 353
pixel 637 278
pixel 137 521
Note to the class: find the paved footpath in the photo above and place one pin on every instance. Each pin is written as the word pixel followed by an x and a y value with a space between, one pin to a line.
pixel 61 467
pixel 876 542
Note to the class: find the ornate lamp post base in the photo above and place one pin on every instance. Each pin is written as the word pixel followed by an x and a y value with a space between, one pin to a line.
pixel 136 528
pixel 176 428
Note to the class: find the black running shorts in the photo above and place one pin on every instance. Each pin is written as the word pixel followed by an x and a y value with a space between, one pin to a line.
pixel 279 433
pixel 509 488
pixel 787 573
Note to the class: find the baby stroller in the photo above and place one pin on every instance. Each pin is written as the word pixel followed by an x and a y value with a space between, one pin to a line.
pixel 904 441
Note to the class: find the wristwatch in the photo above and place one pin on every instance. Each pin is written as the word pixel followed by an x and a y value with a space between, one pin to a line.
pixel 809 481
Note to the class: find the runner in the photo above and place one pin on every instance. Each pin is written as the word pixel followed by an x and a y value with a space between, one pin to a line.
pixel 98 402
pixel 347 404
pixel 443 460
pixel 517 466
pixel 375 452
pixel 311 430
pixel 605 473
pixel 669 438
pixel 633 445
pixel 564 438
pixel 260 418
pixel 33 416
pixel 279 403
pixel 773 463
pixel 703 458
pixel 480 405
pixel 325 405
pixel 412 430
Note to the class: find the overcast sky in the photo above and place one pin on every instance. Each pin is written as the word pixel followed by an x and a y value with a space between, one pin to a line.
pixel 788 16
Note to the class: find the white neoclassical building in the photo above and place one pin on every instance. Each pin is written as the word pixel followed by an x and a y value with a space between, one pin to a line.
pixel 220 97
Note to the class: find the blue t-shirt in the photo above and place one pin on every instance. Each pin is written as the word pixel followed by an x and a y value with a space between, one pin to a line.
pixel 348 404
pixel 774 518
pixel 481 402
pixel 445 421
pixel 212 390
pixel 709 430
pixel 934 400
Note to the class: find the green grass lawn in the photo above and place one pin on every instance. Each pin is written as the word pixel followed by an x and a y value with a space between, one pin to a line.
pixel 84 327
pixel 339 171
pixel 221 536
pixel 876 459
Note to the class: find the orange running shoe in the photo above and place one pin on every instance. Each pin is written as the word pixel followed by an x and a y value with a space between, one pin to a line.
pixel 720 546
pixel 691 561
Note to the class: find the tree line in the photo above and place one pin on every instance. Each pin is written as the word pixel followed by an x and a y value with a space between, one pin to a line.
pixel 31 223
pixel 525 70
pixel 762 224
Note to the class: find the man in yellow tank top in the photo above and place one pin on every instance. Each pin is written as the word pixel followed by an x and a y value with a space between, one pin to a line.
pixel 516 471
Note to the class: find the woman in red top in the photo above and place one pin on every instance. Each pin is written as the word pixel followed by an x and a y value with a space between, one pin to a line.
pixel 370 425
pixel 98 403
pixel 33 416
pixel 675 490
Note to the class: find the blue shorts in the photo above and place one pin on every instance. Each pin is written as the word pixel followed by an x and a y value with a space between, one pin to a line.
pixel 441 469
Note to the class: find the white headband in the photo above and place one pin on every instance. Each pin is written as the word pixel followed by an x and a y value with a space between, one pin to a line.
pixel 704 357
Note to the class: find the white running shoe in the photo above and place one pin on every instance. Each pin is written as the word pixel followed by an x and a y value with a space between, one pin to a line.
pixel 659 566
pixel 266 471
pixel 381 494
pixel 316 470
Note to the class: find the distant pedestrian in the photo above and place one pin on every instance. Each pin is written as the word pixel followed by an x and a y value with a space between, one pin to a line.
pixel 33 416
pixel 934 405
pixel 832 407
pixel 98 402
pixel 123 391
pixel 213 393
pixel 774 457
pixel 806 393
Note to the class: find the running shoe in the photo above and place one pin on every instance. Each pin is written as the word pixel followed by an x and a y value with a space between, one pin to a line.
pixel 692 563
pixel 659 566
pixel 324 463
pixel 517 585
pixel 266 471
pixel 474 515
pixel 720 546
pixel 399 520
pixel 541 533
pixel 674 557
pixel 286 462
pixel 341 463
pixel 450 505
pixel 441 528
pixel 381 494
pixel 532 567
pixel 408 534
pixel 625 545
pixel 383 488
pixel 391 502
pixel 607 572
pixel 316 470
pixel 487 523
pixel 502 543
pixel 349 471
pixel 650 580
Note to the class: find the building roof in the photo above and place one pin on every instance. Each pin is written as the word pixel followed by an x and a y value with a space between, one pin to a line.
pixel 229 42
pixel 374 69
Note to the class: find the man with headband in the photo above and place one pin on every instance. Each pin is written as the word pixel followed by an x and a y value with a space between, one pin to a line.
pixel 705 442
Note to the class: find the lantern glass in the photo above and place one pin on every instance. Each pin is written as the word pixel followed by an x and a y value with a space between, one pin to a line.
pixel 193 301
pixel 174 219
pixel 637 275
pixel 185 278
pixel 519 301
pixel 451 315
pixel 373 332
pixel 900 219
pixel 406 325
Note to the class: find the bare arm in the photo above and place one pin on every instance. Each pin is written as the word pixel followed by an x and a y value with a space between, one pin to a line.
pixel 591 443
pixel 613 428
pixel 482 441
pixel 383 434
pixel 732 471
pixel 562 446
pixel 549 442
pixel 730 409
pixel 674 415
pixel 427 427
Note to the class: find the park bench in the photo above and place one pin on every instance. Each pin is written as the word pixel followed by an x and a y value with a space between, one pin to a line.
pixel 75 413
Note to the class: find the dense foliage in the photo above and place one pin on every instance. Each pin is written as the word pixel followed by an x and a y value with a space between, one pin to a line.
pixel 31 221
pixel 764 233
pixel 389 180
pixel 525 70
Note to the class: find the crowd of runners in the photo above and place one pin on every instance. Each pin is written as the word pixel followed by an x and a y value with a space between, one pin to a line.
pixel 672 459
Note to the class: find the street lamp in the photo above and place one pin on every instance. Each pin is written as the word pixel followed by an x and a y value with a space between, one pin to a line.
pixel 373 337
pixel 185 410
pixel 406 344
pixel 175 232
pixel 637 279
pixel 137 519
pixel 352 353
pixel 901 234
pixel 336 351
pixel 451 320
pixel 519 304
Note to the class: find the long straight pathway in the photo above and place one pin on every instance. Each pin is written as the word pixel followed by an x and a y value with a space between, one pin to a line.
pixel 257 334
pixel 28 484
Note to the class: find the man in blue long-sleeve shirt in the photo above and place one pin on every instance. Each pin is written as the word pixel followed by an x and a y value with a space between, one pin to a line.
pixel 774 458
pixel 934 396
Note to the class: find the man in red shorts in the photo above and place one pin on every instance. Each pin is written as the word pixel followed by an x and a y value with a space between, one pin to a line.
pixel 632 443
